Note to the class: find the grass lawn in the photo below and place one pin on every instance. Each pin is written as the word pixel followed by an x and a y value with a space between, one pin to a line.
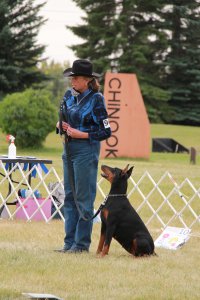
pixel 29 264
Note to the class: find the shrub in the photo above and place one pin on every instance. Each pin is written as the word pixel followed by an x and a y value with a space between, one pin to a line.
pixel 29 116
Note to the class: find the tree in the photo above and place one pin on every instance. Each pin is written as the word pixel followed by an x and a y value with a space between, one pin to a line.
pixel 183 60
pixel 124 36
pixel 56 84
pixel 159 40
pixel 98 32
pixel 141 45
pixel 29 116
pixel 19 52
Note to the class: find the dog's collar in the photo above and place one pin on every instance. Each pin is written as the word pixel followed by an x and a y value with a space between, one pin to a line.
pixel 104 202
pixel 112 195
pixel 116 195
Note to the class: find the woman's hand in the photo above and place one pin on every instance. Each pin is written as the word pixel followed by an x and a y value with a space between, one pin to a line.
pixel 65 126
pixel 76 134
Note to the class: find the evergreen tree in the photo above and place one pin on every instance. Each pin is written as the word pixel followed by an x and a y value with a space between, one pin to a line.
pixel 124 36
pixel 19 52
pixel 159 40
pixel 183 60
pixel 98 32
pixel 141 45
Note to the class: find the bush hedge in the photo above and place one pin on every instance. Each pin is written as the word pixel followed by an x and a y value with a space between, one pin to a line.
pixel 29 116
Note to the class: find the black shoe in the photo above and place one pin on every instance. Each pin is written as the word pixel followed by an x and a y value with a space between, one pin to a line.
pixel 77 250
pixel 62 250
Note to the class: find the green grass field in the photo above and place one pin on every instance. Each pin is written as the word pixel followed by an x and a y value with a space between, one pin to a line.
pixel 29 264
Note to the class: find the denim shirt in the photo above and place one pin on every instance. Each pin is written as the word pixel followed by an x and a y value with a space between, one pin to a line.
pixel 87 113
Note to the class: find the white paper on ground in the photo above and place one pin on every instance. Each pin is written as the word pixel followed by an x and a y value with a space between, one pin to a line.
pixel 41 296
pixel 173 238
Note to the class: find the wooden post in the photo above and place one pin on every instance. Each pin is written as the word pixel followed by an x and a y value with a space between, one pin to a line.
pixel 128 118
pixel 193 155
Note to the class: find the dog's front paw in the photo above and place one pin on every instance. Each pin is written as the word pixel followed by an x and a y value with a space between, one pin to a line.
pixel 100 255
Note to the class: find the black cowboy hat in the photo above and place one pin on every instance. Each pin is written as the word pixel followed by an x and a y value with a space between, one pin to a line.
pixel 81 67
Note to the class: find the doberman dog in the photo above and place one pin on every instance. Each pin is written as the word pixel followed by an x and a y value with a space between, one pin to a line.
pixel 120 220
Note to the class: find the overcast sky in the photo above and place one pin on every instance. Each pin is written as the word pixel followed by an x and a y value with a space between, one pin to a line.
pixel 54 34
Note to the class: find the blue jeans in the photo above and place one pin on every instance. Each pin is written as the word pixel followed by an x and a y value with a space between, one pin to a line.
pixel 84 156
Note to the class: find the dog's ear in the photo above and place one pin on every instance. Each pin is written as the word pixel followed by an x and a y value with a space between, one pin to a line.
pixel 127 172
pixel 124 171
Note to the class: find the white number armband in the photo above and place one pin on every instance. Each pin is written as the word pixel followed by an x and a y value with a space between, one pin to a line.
pixel 106 123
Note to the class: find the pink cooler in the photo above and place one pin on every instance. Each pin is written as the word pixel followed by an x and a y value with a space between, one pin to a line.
pixel 30 206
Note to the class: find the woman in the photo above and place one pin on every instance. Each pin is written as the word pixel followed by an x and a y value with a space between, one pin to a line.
pixel 86 125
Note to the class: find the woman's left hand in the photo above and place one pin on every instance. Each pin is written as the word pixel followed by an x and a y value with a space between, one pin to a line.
pixel 76 134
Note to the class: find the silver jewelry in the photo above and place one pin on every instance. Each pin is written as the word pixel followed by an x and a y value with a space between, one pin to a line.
pixel 78 102
pixel 74 92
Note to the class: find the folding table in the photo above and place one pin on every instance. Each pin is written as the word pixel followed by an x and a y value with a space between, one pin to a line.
pixel 24 164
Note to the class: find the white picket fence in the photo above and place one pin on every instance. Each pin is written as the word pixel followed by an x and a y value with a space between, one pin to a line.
pixel 160 203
